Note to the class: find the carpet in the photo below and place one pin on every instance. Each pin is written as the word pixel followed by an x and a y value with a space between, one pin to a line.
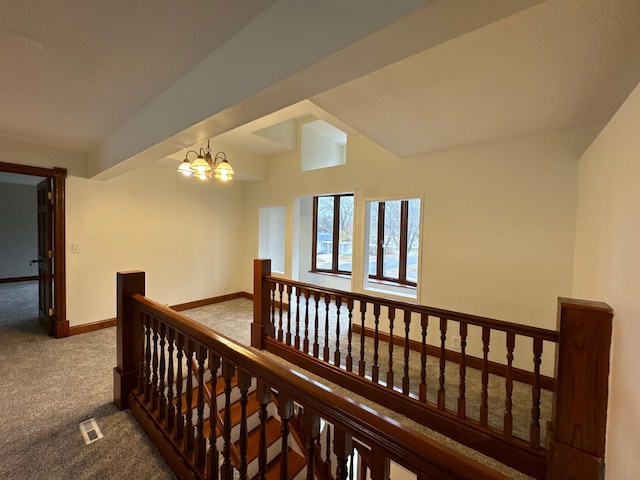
pixel 48 387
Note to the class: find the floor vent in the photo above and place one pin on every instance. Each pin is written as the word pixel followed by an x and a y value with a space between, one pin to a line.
pixel 90 431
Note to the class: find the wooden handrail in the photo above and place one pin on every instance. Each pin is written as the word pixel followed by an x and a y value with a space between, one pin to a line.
pixel 582 341
pixel 396 442
pixel 401 444
pixel 518 329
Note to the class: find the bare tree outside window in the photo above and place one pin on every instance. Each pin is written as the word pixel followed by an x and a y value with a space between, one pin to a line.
pixel 332 248
pixel 394 239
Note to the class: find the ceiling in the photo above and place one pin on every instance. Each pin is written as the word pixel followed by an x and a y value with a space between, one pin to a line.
pixel 560 65
pixel 118 79
pixel 74 70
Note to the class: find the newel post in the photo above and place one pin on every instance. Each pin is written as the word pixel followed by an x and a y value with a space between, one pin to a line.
pixel 125 374
pixel 261 302
pixel 576 449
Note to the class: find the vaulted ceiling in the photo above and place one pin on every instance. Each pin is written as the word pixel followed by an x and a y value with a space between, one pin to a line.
pixel 131 83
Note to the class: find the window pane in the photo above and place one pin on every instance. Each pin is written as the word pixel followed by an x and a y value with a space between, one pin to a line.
pixel 413 240
pixel 345 248
pixel 391 240
pixel 373 237
pixel 324 238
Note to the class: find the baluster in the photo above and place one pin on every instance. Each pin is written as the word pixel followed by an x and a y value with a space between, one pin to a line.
pixel 327 458
pixel 375 368
pixel 142 381
pixel 280 290
pixel 305 343
pixel 311 429
pixel 297 337
pixel 350 335
pixel 201 444
pixel 443 363
pixel 212 453
pixel 316 346
pixel 484 395
pixel 534 439
pixel 327 303
pixel 273 310
pixel 285 409
pixel 392 317
pixel 405 378
pixel 179 420
pixel 336 354
pixel 228 370
pixel 170 379
pixel 244 382
pixel 363 312
pixel 342 447
pixel 462 383
pixel 188 408
pixel 424 323
pixel 508 402
pixel 289 288
pixel 379 464
pixel 154 373
pixel 263 396
pixel 147 360
pixel 162 399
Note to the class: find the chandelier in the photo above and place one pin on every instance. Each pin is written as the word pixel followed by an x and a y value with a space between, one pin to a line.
pixel 205 166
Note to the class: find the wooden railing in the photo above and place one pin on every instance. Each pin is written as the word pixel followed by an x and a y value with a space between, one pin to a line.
pixel 153 378
pixel 490 394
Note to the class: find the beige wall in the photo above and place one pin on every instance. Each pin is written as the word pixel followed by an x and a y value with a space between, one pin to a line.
pixel 181 231
pixel 499 219
pixel 607 267
pixel 34 155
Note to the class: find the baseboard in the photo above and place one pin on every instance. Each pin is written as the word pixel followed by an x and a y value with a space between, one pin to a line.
pixel 111 322
pixel 90 327
pixel 210 301
pixel 18 279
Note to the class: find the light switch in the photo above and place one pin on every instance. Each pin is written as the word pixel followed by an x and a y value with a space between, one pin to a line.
pixel 76 248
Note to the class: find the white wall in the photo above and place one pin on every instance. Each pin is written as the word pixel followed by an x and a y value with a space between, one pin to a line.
pixel 499 219
pixel 19 232
pixel 185 233
pixel 607 268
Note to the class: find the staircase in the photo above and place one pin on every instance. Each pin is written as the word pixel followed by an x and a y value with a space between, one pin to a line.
pixel 215 434
pixel 296 459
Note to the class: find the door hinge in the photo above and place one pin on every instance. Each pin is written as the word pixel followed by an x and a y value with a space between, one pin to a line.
pixel 51 312
pixel 50 196
pixel 50 254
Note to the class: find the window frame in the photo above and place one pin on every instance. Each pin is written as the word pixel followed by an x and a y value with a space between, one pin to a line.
pixel 403 241
pixel 335 254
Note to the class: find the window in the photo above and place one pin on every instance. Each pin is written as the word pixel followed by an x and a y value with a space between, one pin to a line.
pixel 394 228
pixel 332 247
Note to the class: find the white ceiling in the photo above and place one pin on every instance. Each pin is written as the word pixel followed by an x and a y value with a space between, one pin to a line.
pixel 74 70
pixel 113 78
pixel 560 65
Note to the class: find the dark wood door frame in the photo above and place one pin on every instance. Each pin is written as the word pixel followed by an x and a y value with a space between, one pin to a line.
pixel 61 324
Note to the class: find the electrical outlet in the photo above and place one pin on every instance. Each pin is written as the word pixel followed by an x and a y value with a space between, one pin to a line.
pixel 455 343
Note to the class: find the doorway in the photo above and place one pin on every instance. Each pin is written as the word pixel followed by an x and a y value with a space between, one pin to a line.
pixel 51 246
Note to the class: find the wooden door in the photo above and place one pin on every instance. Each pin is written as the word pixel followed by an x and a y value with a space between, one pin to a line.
pixel 45 255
